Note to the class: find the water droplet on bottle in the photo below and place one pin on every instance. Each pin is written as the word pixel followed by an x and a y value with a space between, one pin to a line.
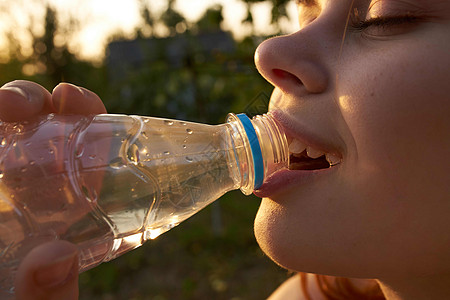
pixel 189 131
pixel 79 151
pixel 116 163
pixel 32 163
pixel 189 159
pixel 23 169
pixel 92 156
pixel 1 175
pixel 144 134
pixel 28 144
pixel 168 123
pixel 3 142
pixel 166 152
pixel 183 123
pixel 51 151
pixel 146 120
pixel 133 153
pixel 18 128
pixel 184 146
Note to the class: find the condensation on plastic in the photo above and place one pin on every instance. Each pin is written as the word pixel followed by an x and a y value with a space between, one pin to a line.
pixel 108 183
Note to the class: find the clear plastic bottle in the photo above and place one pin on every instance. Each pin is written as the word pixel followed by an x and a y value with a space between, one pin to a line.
pixel 108 183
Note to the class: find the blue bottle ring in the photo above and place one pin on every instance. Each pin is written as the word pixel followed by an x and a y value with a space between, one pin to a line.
pixel 258 164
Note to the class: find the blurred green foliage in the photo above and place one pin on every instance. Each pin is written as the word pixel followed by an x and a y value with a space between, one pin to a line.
pixel 200 88
pixel 196 260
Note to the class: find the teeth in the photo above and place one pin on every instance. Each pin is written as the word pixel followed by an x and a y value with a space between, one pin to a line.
pixel 313 153
pixel 296 147
pixel 333 159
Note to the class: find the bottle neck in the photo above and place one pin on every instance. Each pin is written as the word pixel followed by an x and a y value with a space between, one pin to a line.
pixel 261 149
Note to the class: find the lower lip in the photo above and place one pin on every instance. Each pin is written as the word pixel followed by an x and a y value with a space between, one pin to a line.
pixel 286 179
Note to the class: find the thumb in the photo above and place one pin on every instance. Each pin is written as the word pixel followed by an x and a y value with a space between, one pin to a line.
pixel 49 271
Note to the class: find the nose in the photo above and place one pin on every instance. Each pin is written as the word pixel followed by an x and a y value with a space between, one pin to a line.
pixel 293 64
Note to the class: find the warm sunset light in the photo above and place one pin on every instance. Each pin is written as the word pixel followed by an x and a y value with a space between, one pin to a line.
pixel 97 20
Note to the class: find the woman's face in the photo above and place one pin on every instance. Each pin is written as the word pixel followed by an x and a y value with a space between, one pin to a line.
pixel 374 94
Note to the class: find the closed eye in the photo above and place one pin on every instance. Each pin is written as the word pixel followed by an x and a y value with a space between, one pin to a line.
pixel 384 21
pixel 385 26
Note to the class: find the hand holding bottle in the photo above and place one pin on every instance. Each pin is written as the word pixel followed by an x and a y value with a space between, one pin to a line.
pixel 108 183
pixel 50 271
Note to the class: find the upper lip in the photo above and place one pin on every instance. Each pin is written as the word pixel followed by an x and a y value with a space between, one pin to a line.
pixel 294 129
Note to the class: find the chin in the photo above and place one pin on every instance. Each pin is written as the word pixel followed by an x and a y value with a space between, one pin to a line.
pixel 299 244
pixel 274 235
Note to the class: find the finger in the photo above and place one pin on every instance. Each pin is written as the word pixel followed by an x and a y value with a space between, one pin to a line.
pixel 71 99
pixel 21 100
pixel 50 271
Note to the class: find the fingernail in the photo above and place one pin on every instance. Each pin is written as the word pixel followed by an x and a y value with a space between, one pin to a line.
pixel 79 89
pixel 56 273
pixel 57 86
pixel 17 91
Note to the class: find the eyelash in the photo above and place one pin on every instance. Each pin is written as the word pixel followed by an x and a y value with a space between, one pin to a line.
pixel 383 22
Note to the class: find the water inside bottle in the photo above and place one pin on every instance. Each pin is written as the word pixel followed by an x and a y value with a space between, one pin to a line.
pixel 130 179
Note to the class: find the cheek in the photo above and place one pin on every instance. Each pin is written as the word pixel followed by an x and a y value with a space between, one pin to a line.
pixel 398 118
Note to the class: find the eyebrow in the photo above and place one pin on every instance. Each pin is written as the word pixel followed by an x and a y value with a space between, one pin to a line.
pixel 430 7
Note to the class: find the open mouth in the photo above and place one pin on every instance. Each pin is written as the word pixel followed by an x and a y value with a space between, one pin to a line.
pixel 303 157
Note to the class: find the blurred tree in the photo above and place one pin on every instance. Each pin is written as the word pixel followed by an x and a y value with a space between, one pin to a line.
pixel 13 66
pixel 173 20
pixel 279 11
pixel 147 28
pixel 49 58
pixel 211 20
pixel 187 76
pixel 249 18
pixel 53 60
